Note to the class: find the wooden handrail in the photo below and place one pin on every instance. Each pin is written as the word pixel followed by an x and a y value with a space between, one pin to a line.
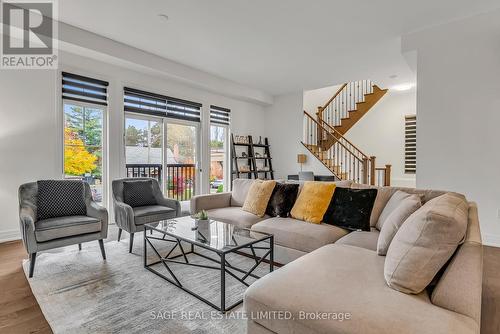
pixel 321 127
pixel 333 97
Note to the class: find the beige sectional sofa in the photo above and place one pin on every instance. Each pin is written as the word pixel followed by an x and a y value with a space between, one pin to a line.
pixel 336 273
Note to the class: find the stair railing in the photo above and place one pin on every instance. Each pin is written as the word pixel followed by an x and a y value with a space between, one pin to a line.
pixel 339 159
pixel 342 158
pixel 343 101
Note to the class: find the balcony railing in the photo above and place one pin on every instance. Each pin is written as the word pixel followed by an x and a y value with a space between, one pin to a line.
pixel 180 178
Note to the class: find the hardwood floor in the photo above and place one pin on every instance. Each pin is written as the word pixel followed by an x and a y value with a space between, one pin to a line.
pixel 20 313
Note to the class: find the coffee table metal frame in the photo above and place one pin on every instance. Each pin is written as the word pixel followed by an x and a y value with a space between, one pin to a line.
pixel 223 265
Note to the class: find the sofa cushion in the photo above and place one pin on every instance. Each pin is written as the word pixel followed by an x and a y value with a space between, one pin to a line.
pixel 299 235
pixel 139 193
pixel 152 213
pixel 240 190
pixel 392 204
pixel 425 242
pixel 282 200
pixel 60 198
pixel 61 227
pixel 235 215
pixel 340 278
pixel 398 209
pixel 258 196
pixel 351 208
pixel 363 239
pixel 313 201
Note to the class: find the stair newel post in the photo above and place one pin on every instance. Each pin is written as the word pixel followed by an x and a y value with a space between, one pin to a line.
pixel 365 170
pixel 387 175
pixel 319 115
pixel 372 170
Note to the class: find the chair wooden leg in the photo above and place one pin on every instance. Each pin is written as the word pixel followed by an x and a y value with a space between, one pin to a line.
pixel 79 247
pixel 103 252
pixel 119 234
pixel 32 264
pixel 131 242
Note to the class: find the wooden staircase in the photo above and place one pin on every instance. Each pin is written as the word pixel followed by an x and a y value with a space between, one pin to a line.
pixel 324 134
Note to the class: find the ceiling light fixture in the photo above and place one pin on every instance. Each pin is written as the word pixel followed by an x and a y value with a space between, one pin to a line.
pixel 403 87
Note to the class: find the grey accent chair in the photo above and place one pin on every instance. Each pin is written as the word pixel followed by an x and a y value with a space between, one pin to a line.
pixel 132 219
pixel 60 231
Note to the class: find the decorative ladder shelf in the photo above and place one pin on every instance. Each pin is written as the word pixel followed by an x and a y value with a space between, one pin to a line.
pixel 252 159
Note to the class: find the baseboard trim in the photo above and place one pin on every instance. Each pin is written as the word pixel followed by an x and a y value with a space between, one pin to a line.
pixel 9 235
pixel 492 240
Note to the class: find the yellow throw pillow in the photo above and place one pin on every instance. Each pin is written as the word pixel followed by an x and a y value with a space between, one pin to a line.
pixel 258 196
pixel 313 201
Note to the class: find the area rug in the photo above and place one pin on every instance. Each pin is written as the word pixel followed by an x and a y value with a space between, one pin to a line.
pixel 78 292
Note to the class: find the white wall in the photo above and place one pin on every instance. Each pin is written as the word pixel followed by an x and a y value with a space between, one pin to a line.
pixel 458 99
pixel 284 121
pixel 31 123
pixel 318 97
pixel 27 138
pixel 381 133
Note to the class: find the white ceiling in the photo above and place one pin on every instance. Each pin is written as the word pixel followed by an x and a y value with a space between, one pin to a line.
pixel 277 46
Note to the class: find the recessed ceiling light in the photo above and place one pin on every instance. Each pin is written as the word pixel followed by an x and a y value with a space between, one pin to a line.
pixel 163 16
pixel 403 87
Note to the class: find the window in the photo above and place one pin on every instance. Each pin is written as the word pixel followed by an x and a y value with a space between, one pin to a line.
pixel 219 162
pixel 84 106
pixel 411 144
pixel 161 140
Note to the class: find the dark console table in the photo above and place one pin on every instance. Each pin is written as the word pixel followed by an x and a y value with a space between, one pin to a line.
pixel 325 178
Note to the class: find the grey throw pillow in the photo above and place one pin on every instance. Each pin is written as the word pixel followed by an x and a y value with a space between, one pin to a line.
pixel 425 242
pixel 139 193
pixel 394 200
pixel 60 198
pixel 398 209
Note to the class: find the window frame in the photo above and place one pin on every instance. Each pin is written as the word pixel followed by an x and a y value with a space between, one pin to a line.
pixel 104 141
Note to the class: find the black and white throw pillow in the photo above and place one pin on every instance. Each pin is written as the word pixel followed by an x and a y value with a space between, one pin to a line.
pixel 60 198
pixel 138 193
pixel 351 208
pixel 282 200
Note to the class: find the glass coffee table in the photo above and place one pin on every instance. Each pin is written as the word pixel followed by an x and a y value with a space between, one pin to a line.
pixel 216 237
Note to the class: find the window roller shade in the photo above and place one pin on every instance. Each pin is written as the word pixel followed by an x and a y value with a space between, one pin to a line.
pixel 219 115
pixel 84 89
pixel 143 102
pixel 411 144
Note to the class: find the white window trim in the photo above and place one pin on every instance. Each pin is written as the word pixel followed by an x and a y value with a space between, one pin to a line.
pixel 104 181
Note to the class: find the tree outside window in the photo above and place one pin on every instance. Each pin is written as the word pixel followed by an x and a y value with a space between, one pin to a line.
pixel 83 135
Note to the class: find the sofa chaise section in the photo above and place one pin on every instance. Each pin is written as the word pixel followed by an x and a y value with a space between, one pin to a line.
pixel 350 280
pixel 343 277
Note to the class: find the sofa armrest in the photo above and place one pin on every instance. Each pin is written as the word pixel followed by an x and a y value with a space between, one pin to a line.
pixel 27 224
pixel 94 210
pixel 211 201
pixel 169 203
pixel 124 216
